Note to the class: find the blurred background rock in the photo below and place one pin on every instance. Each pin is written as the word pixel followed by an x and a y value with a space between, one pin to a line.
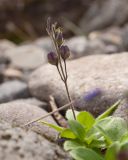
pixel 25 19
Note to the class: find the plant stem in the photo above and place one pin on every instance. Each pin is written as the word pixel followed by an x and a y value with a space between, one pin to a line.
pixel 65 70
pixel 61 69
pixel 62 78
pixel 57 50
pixel 69 98
pixel 50 113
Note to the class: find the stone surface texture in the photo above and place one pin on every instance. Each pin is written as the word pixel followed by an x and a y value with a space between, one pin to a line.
pixel 11 90
pixel 122 110
pixel 20 113
pixel 6 45
pixel 106 73
pixel 27 57
pixel 18 144
pixel 33 101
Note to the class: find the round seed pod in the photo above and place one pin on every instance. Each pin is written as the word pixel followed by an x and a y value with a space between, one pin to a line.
pixel 65 52
pixel 52 58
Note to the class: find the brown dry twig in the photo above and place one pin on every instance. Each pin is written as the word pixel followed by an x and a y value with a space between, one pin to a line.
pixel 57 116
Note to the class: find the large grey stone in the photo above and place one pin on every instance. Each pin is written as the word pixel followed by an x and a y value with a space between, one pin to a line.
pixel 111 38
pixel 12 73
pixel 17 144
pixel 6 45
pixel 101 79
pixel 97 43
pixel 20 113
pixel 44 43
pixel 122 110
pixel 11 90
pixel 78 46
pixel 34 101
pixel 27 57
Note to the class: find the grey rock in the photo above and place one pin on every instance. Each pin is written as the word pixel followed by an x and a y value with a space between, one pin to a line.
pixel 78 46
pixel 12 73
pixel 96 46
pixel 20 113
pixel 27 57
pixel 103 14
pixel 122 110
pixel 102 79
pixel 34 102
pixel 125 37
pixel 111 37
pixel 44 43
pixel 110 49
pixel 97 43
pixel 6 45
pixel 18 144
pixel 11 90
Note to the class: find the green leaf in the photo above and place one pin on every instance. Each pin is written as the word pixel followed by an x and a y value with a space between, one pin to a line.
pixel 89 139
pixel 113 127
pixel 86 119
pixel 112 151
pixel 98 143
pixel 92 134
pixel 70 145
pixel 103 132
pixel 124 138
pixel 67 133
pixel 94 138
pixel 69 114
pixel 124 146
pixel 109 111
pixel 57 128
pixel 77 129
pixel 83 153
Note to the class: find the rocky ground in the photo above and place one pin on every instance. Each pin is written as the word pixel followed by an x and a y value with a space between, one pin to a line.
pixel 98 63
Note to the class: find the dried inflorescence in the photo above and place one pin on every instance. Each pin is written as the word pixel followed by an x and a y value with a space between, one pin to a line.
pixel 59 57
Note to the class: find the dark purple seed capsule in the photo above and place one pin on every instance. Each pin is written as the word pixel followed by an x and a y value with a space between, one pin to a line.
pixel 52 58
pixel 65 52
pixel 92 94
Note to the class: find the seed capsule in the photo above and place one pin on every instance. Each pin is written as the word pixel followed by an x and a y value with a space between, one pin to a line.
pixel 52 58
pixel 65 52
pixel 59 37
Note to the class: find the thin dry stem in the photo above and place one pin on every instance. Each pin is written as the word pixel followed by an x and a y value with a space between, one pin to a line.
pixel 57 50
pixel 69 97
pixel 50 113
pixel 63 69
pixel 62 78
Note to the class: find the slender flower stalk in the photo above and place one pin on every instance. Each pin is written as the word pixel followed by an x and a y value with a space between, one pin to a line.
pixel 59 58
